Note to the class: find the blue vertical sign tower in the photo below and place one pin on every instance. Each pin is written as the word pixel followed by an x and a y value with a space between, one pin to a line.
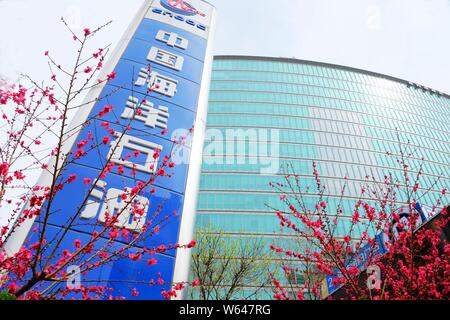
pixel 163 67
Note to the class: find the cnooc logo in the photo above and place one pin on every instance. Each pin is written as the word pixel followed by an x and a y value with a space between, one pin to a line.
pixel 180 7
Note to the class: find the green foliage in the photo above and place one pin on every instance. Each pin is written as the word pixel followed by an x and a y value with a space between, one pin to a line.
pixel 225 265
pixel 6 296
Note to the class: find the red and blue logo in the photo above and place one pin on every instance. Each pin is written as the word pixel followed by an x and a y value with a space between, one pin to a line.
pixel 181 7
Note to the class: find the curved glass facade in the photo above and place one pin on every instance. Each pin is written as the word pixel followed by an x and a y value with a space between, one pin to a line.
pixel 342 118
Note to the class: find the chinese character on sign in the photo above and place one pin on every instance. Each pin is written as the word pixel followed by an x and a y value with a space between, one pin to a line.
pixel 157 82
pixel 146 112
pixel 91 208
pixel 131 216
pixel 124 210
pixel 165 58
pixel 172 39
pixel 135 144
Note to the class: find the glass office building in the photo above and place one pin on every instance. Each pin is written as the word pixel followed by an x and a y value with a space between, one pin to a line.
pixel 343 118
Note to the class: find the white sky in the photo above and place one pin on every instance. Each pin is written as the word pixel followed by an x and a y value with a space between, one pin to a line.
pixel 408 39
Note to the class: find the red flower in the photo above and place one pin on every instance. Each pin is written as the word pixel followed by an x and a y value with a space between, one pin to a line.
pixel 105 110
pixel 86 32
pixel 353 271
pixel 111 76
pixel 135 257
pixel 87 69
pixel 72 178
pixel 191 244
pixel 355 218
pixel 161 172
pixel 178 286
pixel 19 175
pixel 195 283
pixel 156 154
pixel 113 234
pixel 12 288
pixel 4 167
pixel 152 262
